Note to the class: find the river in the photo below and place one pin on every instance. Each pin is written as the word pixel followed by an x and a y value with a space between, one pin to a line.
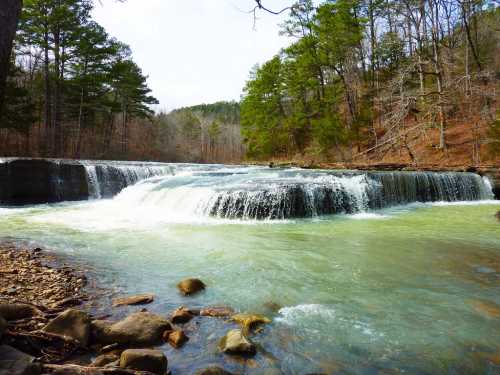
pixel 358 276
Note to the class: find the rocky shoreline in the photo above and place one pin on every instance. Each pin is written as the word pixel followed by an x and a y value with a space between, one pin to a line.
pixel 47 326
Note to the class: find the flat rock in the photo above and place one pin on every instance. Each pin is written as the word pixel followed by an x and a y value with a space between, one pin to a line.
pixel 73 324
pixel 16 311
pixel 235 342
pixel 213 370
pixel 191 286
pixel 144 360
pixel 181 315
pixel 141 328
pixel 175 338
pixel 217 311
pixel 14 362
pixel 139 299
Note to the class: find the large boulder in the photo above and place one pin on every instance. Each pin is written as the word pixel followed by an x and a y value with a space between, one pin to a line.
pixel 14 362
pixel 15 311
pixel 235 342
pixel 191 286
pixel 141 328
pixel 72 324
pixel 144 360
pixel 140 299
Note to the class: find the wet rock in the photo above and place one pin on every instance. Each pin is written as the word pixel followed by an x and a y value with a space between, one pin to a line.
pixel 175 338
pixel 213 370
pixel 181 315
pixel 73 324
pixel 250 321
pixel 14 362
pixel 140 299
pixel 235 342
pixel 16 311
pixel 3 326
pixel 104 359
pixel 144 360
pixel 217 311
pixel 141 328
pixel 191 286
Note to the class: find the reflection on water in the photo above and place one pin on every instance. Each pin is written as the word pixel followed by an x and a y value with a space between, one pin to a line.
pixel 412 289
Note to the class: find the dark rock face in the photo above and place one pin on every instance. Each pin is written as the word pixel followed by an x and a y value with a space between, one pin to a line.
pixel 31 181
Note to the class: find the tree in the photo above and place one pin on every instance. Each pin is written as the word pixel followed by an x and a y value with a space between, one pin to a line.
pixel 10 11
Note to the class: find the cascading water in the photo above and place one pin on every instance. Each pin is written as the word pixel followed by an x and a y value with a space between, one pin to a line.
pixel 108 179
pixel 261 193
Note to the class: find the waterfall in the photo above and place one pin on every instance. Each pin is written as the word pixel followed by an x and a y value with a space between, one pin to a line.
pixel 108 179
pixel 338 193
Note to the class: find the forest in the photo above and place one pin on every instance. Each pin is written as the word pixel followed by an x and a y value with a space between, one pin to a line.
pixel 70 84
pixel 363 81
pixel 377 80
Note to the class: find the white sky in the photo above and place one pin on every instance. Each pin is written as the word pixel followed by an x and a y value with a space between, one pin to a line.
pixel 194 51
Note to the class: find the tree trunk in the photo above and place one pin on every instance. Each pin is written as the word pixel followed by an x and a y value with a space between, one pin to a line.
pixel 47 144
pixel 57 93
pixel 10 10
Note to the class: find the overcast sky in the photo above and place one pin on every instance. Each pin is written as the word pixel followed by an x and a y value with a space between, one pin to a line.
pixel 194 51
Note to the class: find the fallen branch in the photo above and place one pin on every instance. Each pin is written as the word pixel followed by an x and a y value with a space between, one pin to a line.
pixel 82 370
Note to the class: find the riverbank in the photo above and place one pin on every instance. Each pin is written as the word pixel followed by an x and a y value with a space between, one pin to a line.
pixel 47 325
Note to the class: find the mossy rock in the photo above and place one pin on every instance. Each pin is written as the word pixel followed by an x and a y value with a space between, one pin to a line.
pixel 250 321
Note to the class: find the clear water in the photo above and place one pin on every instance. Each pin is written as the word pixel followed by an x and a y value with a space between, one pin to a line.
pixel 411 289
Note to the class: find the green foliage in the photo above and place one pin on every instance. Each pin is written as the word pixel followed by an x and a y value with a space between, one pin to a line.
pixel 92 74
pixel 297 97
pixel 18 114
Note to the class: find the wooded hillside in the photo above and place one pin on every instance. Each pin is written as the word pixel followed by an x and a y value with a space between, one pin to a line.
pixel 378 80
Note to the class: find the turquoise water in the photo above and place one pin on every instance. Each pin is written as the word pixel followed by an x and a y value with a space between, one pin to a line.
pixel 412 289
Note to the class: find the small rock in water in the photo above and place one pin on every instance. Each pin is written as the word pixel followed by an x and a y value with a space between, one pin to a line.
pixel 71 323
pixel 498 215
pixel 175 338
pixel 140 299
pixel 235 342
pixel 144 360
pixel 217 311
pixel 250 321
pixel 191 286
pixel 181 315
pixel 213 370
